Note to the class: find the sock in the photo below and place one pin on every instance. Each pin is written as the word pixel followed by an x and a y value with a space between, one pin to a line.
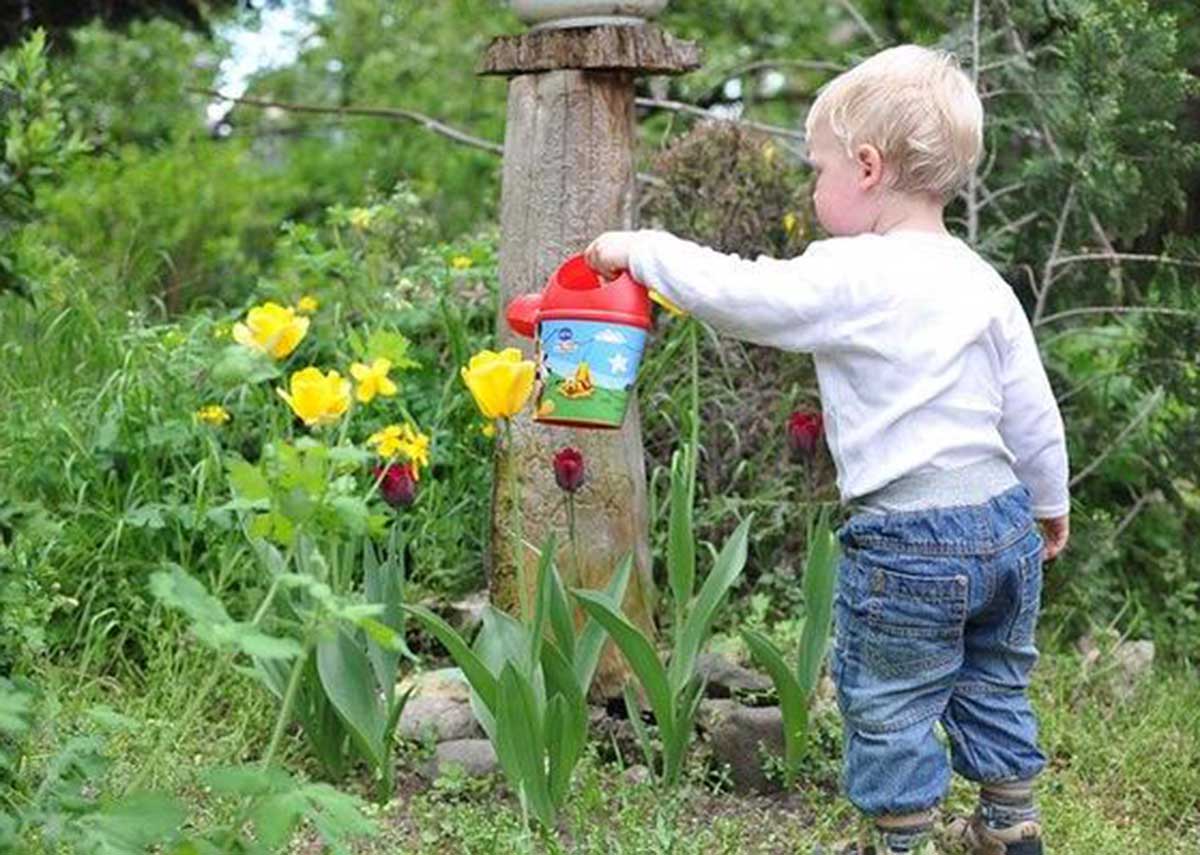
pixel 905 836
pixel 1005 805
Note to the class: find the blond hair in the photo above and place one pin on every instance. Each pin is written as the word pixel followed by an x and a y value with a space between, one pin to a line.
pixel 917 107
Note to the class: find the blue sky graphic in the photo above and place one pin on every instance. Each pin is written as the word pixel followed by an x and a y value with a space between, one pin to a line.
pixel 611 351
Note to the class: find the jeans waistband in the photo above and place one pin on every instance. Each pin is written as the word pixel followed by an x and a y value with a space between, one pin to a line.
pixel 940 488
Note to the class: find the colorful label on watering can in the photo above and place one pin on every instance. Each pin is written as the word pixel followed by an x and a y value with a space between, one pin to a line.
pixel 587 370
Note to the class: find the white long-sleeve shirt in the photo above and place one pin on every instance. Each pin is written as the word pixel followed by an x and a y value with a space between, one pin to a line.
pixel 924 357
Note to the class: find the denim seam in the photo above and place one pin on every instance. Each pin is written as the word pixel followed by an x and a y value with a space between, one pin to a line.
pixel 987 548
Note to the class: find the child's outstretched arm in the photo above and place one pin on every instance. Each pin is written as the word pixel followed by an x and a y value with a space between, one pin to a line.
pixel 1032 428
pixel 790 304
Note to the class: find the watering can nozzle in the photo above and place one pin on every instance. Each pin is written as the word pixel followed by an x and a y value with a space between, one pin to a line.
pixel 522 314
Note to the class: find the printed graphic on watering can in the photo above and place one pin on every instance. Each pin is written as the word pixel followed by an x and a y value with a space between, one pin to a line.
pixel 589 335
pixel 587 369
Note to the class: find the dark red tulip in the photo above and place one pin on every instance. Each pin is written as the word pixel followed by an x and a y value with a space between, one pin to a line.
pixel 568 469
pixel 397 484
pixel 804 432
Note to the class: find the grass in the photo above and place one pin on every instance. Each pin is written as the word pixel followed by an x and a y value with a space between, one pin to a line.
pixel 1124 775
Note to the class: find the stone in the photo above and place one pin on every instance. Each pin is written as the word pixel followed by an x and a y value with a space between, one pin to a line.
pixel 637 775
pixel 1134 660
pixel 475 757
pixel 725 678
pixel 445 718
pixel 447 683
pixel 467 614
pixel 741 738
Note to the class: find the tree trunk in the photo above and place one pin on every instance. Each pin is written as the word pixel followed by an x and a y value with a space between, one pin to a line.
pixel 569 175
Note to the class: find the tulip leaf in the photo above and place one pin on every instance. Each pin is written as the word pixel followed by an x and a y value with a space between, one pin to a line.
pixel 346 676
pixel 820 581
pixel 562 621
pixel 519 723
pixel 728 566
pixel 566 737
pixel 481 679
pixel 681 544
pixel 639 652
pixel 591 640
pixel 793 699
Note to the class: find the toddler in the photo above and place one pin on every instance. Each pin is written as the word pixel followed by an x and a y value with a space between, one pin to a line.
pixel 947 439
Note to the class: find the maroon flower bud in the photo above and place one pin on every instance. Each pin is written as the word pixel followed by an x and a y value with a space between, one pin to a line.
pixel 397 484
pixel 568 469
pixel 804 432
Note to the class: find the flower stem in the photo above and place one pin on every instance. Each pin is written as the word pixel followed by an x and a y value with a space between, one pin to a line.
pixel 289 698
pixel 518 533
pixel 574 541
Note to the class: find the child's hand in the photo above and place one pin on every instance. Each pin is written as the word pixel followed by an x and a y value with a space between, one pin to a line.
pixel 608 254
pixel 1055 532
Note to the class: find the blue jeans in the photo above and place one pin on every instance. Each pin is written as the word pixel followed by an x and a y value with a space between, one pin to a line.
pixel 935 616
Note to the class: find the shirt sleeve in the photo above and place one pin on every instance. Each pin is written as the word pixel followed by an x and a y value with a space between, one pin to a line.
pixel 1031 424
pixel 789 304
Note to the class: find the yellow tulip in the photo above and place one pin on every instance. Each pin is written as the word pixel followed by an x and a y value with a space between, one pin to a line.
pixel 318 399
pixel 213 414
pixel 666 304
pixel 307 305
pixel 272 329
pixel 500 382
pixel 461 262
pixel 402 439
pixel 789 223
pixel 372 380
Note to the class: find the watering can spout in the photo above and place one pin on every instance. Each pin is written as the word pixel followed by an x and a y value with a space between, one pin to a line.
pixel 522 314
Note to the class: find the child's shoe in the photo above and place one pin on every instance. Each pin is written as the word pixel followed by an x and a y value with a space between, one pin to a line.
pixel 973 836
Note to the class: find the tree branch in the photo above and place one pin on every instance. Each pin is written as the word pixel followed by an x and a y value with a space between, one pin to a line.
pixel 862 22
pixel 1113 310
pixel 1047 277
pixel 427 122
pixel 1121 256
pixel 693 110
pixel 1142 415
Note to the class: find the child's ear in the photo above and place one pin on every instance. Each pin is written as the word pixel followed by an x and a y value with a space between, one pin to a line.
pixel 869 163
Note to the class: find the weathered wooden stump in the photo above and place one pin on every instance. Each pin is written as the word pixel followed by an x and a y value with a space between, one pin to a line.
pixel 569 175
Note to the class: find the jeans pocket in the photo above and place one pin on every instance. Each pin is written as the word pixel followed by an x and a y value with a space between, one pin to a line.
pixel 914 623
pixel 1029 594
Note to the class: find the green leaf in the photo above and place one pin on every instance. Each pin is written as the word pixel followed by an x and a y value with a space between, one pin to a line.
pixel 541 601
pixel 519 723
pixel 384 585
pixel 820 582
pixel 640 654
pixel 135 822
pixel 591 640
pixel 566 734
pixel 562 621
pixel 176 589
pixel 390 345
pixel 247 480
pixel 681 543
pixel 634 710
pixel 699 620
pixel 348 681
pixel 793 698
pixel 239 364
pixel 263 646
pixel 477 674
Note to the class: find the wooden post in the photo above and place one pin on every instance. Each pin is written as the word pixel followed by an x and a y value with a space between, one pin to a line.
pixel 569 175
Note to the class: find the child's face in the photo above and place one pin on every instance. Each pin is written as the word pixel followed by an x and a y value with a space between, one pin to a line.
pixel 842 192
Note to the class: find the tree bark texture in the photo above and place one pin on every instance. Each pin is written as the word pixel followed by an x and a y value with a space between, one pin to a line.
pixel 569 175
